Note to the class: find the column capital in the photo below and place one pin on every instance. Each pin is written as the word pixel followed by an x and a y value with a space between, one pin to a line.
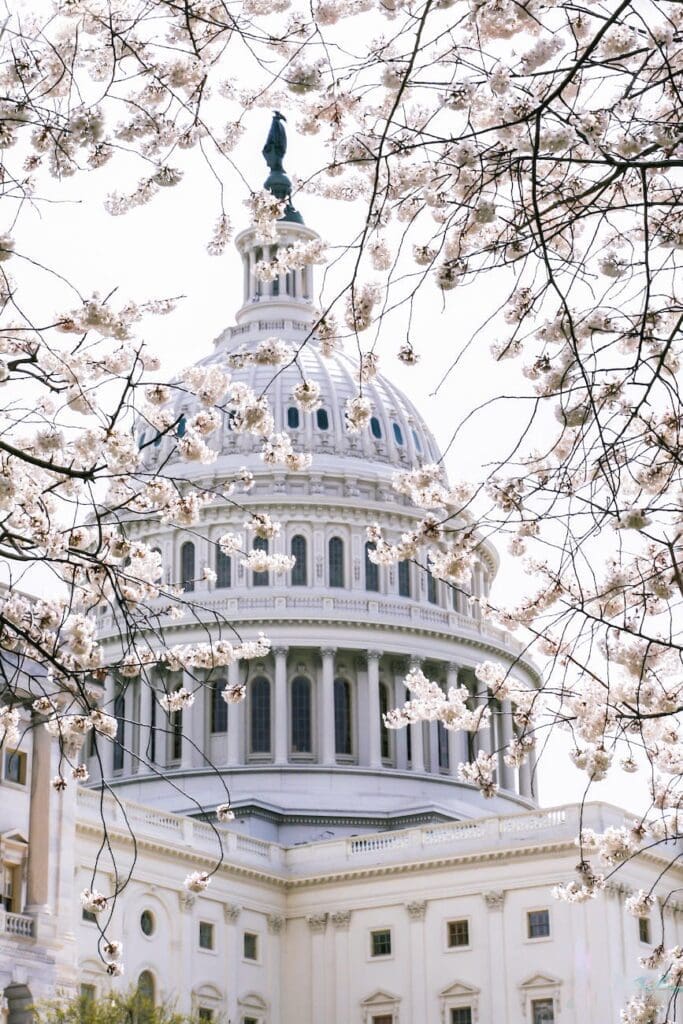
pixel 416 909
pixel 276 923
pixel 341 919
pixel 329 651
pixel 415 662
pixel 317 922
pixel 280 649
pixel 231 912
pixel 495 899
pixel 186 900
pixel 374 655
pixel 453 666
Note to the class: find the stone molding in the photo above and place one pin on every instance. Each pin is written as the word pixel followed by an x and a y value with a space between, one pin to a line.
pixel 341 919
pixel 276 923
pixel 186 900
pixel 317 922
pixel 495 899
pixel 231 912
pixel 416 909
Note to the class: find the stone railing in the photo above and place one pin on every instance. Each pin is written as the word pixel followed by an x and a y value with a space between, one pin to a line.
pixel 427 842
pixel 20 926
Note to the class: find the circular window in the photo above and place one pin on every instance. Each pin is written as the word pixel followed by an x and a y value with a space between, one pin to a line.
pixel 147 922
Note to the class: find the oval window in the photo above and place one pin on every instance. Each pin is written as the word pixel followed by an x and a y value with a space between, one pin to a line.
pixel 292 417
pixel 416 439
pixel 147 922
pixel 375 427
pixel 398 434
pixel 322 419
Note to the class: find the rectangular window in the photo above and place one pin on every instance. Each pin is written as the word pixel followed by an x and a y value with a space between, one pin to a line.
pixel 88 915
pixel 249 1020
pixel 458 933
pixel 15 767
pixel 538 924
pixel 380 942
pixel 250 946
pixel 542 1011
pixel 88 992
pixel 7 893
pixel 461 1015
pixel 205 1013
pixel 644 929
pixel 205 935
pixel 383 1018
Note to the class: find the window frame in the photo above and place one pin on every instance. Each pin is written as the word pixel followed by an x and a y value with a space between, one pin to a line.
pixel 533 1004
pixel 527 919
pixel 257 937
pixel 202 923
pixel 452 1010
pixel 336 579
pixel 349 755
pixel 19 757
pixel 372 956
pixel 404 580
pixel 218 711
pixel 188 567
pixel 223 570
pixel 302 755
pixel 371 569
pixel 147 935
pixel 299 573
pixel 260 579
pixel 645 921
pixel 458 948
pixel 260 755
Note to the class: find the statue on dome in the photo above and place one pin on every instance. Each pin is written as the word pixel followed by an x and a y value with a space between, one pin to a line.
pixel 276 143
pixel 277 181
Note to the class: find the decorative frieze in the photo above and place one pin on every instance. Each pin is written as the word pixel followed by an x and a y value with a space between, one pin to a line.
pixel 341 919
pixel 495 899
pixel 317 922
pixel 416 909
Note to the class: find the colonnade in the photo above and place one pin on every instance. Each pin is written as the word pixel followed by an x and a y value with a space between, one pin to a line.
pixel 374 681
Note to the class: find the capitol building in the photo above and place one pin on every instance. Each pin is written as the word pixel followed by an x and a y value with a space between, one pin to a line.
pixel 361 881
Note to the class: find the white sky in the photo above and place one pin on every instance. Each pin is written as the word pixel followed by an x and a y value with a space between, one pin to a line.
pixel 160 250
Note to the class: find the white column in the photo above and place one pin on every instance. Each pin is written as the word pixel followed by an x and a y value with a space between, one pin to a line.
pixel 375 754
pixel 400 735
pixel 317 924
pixel 231 913
pixel 525 779
pixel 281 706
pixel 496 957
pixel 236 719
pixel 432 729
pixel 341 921
pixel 198 722
pixel 39 822
pixel 533 780
pixel 326 708
pixel 276 924
pixel 418 989
pixel 457 741
pixel 145 719
pixel 506 775
pixel 186 749
pixel 417 733
pixel 483 739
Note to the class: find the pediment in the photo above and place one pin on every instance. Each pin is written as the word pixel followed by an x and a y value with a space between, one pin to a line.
pixel 541 981
pixel 13 836
pixel 380 998
pixel 458 988
pixel 253 1001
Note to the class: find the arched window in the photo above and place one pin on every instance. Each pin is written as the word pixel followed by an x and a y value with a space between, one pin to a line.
pixel 260 716
pixel 300 571
pixel 342 717
pixel 260 579
pixel 119 715
pixel 141 440
pixel 182 426
pixel 442 740
pixel 157 440
pixel 336 561
pixel 409 732
pixel 187 566
pixel 371 569
pixel 383 731
pixel 431 589
pixel 176 723
pixel 293 418
pixel 223 569
pixel 219 709
pixel 375 427
pixel 322 419
pixel 301 715
pixel 398 433
pixel 404 578
pixel 146 987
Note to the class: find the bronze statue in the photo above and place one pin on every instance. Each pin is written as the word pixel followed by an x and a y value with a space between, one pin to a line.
pixel 276 143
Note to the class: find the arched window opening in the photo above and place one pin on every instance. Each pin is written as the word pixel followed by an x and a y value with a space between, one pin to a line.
pixel 260 716
pixel 336 561
pixel 404 579
pixel 322 419
pixel 442 741
pixel 187 566
pixel 176 723
pixel 371 568
pixel 383 731
pixel 342 717
pixel 258 284
pixel 145 998
pixel 293 418
pixel 409 732
pixel 418 442
pixel 152 747
pixel 301 715
pixel 300 570
pixel 157 440
pixel 119 715
pixel 219 709
pixel 223 569
pixel 141 441
pixel 182 426
pixel 375 427
pixel 260 579
pixel 431 589
pixel 398 433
